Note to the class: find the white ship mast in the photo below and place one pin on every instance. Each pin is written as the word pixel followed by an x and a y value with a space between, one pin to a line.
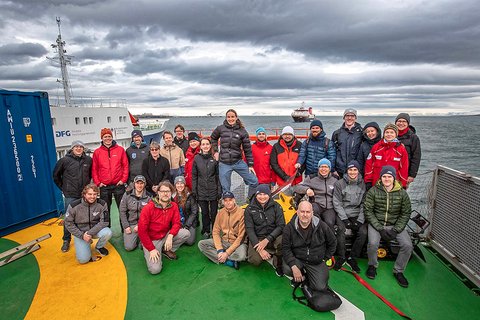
pixel 63 60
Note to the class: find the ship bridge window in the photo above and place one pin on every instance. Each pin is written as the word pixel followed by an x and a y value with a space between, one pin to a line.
pixel 90 120
pixel 122 118
pixel 109 119
pixel 77 120
pixel 85 120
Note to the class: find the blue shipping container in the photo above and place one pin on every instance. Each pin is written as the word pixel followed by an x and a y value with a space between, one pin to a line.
pixel 27 158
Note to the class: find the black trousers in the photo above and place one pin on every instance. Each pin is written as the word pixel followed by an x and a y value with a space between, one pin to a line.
pixel 209 213
pixel 106 193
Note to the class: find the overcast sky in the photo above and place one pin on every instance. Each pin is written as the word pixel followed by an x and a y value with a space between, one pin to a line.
pixel 195 57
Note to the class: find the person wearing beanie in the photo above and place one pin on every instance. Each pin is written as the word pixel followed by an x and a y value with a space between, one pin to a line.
pixel 192 151
pixel 234 146
pixel 180 139
pixel 264 223
pixel 347 140
pixel 261 151
pixel 387 209
pixel 227 244
pixel 348 196
pixel 136 153
pixel 284 157
pixel 206 185
pixel 173 154
pixel 130 208
pixel 71 174
pixel 371 135
pixel 187 205
pixel 407 135
pixel 317 146
pixel 110 169
pixel 320 186
pixel 388 151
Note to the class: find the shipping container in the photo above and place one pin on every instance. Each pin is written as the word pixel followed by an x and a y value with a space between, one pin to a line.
pixel 27 158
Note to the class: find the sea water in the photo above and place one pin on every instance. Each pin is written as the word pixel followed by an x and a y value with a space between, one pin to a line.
pixel 446 140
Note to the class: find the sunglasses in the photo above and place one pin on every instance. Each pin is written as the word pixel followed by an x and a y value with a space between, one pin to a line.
pixel 154 149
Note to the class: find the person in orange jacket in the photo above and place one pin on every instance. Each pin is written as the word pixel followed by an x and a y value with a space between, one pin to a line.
pixel 284 157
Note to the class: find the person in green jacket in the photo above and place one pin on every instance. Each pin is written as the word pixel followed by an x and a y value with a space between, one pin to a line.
pixel 387 209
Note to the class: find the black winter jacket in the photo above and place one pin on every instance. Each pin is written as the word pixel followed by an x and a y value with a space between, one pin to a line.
pixel 71 174
pixel 347 142
pixel 205 181
pixel 412 143
pixel 190 212
pixel 320 247
pixel 135 156
pixel 232 140
pixel 367 145
pixel 183 144
pixel 264 222
pixel 155 171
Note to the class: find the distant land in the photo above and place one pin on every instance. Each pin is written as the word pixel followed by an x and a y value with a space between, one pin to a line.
pixel 261 114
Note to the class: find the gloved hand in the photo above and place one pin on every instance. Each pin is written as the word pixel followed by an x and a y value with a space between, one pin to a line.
pixel 384 235
pixel 347 223
pixel 355 225
pixel 391 234
pixel 368 185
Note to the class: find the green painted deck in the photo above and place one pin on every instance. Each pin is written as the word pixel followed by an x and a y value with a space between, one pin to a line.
pixel 194 288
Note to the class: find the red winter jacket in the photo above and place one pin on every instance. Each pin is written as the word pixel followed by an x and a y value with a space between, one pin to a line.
pixel 283 159
pixel 110 165
pixel 385 153
pixel 155 222
pixel 189 157
pixel 261 162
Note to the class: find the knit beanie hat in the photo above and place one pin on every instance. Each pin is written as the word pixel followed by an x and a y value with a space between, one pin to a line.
pixel 179 179
pixel 288 130
pixel 391 126
pixel 105 131
pixel 263 188
pixel 325 161
pixel 405 116
pixel 137 133
pixel 388 170
pixel 350 111
pixel 77 143
pixel 316 123
pixel 260 129
pixel 193 136
pixel 353 164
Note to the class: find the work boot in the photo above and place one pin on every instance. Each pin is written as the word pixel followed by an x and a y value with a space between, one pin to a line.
pixel 371 272
pixel 66 246
pixel 352 263
pixel 402 281
pixel 170 254
pixel 103 251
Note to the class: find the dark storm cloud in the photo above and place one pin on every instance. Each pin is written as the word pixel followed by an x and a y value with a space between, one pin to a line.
pixel 16 53
pixel 24 72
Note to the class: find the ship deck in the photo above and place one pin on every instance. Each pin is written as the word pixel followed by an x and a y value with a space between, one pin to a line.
pixel 49 284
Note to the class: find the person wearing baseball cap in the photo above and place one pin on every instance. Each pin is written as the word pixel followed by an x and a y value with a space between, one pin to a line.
pixel 261 151
pixel 284 157
pixel 71 174
pixel 227 246
pixel 407 135
pixel 388 196
pixel 347 140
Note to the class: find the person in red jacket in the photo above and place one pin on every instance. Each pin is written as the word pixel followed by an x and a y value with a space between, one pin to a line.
pixel 261 151
pixel 284 156
pixel 160 228
pixel 110 169
pixel 192 151
pixel 388 151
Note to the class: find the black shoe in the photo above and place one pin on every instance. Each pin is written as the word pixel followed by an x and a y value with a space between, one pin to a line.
pixel 103 251
pixel 352 263
pixel 206 235
pixel 236 265
pixel 279 271
pixel 371 272
pixel 339 264
pixel 402 281
pixel 95 258
pixel 66 245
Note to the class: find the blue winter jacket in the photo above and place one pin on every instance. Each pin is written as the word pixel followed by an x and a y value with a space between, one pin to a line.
pixel 347 143
pixel 313 150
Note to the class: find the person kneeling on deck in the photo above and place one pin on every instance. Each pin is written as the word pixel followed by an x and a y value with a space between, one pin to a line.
pixel 88 218
pixel 307 243
pixel 131 205
pixel 387 209
pixel 348 197
pixel 228 234
pixel 159 228
pixel 264 223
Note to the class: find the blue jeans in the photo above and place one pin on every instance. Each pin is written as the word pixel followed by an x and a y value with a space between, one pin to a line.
pixel 240 167
pixel 83 251
pixel 67 236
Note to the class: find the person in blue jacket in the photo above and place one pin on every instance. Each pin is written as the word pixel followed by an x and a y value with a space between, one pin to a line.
pixel 315 148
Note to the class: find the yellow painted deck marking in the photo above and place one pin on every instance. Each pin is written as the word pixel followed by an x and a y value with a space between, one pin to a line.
pixel 68 290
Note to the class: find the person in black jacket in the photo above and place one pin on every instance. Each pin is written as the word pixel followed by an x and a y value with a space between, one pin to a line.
pixel 264 223
pixel 180 139
pixel 71 174
pixel 407 136
pixel 188 207
pixel 155 168
pixel 136 153
pixel 206 185
pixel 307 243
pixel 234 141
pixel 371 135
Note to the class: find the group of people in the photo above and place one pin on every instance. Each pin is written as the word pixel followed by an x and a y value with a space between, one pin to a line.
pixel 354 181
